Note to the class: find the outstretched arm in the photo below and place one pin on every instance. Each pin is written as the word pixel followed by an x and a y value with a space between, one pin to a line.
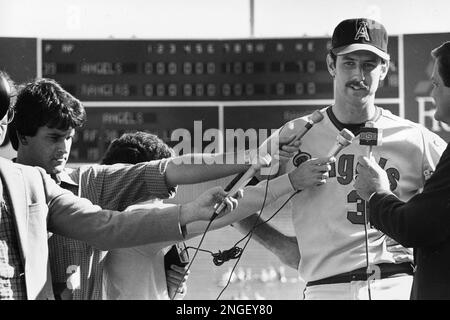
pixel 195 168
pixel 78 218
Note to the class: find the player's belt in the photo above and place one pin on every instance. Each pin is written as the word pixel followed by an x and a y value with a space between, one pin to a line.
pixel 386 270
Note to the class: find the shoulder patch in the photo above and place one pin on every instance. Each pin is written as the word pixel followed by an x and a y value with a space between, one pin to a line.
pixel 300 157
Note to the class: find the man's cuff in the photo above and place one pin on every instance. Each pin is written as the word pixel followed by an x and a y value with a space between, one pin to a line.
pixel 378 196
pixel 183 231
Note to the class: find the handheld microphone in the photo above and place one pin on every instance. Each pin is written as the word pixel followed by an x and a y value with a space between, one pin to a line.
pixel 344 139
pixel 316 117
pixel 370 136
pixel 241 181
pixel 5 95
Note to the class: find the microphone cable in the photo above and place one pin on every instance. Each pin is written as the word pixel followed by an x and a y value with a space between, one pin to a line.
pixel 366 235
pixel 235 252
pixel 367 141
pixel 249 236
pixel 221 257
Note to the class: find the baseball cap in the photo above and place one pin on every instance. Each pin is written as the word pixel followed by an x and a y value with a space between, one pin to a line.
pixel 360 34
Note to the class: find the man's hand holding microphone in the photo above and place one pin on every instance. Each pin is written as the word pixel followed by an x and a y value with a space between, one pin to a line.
pixel 370 177
pixel 315 172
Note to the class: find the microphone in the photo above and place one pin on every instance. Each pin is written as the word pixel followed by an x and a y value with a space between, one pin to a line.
pixel 5 93
pixel 241 181
pixel 316 117
pixel 370 136
pixel 344 139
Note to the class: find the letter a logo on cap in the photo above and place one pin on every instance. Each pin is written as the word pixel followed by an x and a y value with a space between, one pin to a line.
pixel 362 31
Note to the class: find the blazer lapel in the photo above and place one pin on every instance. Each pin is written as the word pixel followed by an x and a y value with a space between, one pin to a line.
pixel 15 186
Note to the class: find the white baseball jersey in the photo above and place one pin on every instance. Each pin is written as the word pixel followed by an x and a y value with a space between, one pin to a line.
pixel 329 220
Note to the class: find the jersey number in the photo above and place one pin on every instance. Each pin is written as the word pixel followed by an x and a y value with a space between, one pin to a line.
pixel 356 217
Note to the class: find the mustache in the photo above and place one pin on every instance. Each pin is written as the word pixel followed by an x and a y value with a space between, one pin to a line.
pixel 361 84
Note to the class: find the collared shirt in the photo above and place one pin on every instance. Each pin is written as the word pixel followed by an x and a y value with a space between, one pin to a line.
pixel 77 267
pixel 12 280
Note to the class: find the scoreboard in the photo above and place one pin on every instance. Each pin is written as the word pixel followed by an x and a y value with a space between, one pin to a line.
pixel 203 70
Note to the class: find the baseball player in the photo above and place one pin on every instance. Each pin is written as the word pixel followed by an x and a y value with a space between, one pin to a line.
pixel 338 257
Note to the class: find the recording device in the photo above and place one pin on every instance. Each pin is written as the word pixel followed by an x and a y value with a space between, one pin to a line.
pixel 5 92
pixel 176 255
pixel 370 136
pixel 241 181
pixel 344 138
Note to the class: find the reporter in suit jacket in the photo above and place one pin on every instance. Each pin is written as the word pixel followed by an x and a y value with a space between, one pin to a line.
pixel 33 204
pixel 424 221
